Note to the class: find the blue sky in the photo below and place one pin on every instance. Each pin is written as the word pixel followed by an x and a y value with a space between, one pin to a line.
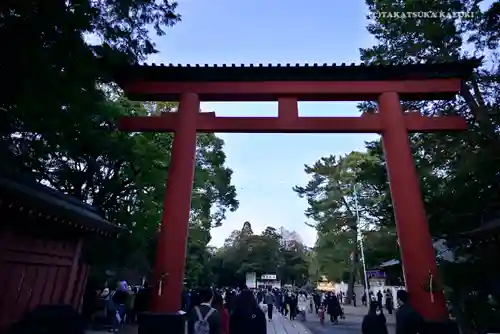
pixel 267 166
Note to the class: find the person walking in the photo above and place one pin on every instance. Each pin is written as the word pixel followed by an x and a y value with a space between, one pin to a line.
pixel 380 296
pixel 389 304
pixel 293 306
pixel 248 317
pixel 408 321
pixel 311 302
pixel 374 322
pixel 333 308
pixel 218 304
pixel 269 300
pixel 317 301
pixel 302 304
pixel 203 318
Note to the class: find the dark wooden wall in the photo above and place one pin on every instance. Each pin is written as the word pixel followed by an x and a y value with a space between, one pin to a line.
pixel 35 271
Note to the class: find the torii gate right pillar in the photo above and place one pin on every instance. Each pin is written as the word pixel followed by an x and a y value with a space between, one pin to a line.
pixel 417 252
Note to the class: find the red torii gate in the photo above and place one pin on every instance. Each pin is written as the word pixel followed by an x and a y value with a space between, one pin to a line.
pixel 286 84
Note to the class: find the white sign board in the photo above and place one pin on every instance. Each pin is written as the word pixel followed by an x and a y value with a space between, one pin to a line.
pixel 251 280
pixel 267 284
pixel 268 277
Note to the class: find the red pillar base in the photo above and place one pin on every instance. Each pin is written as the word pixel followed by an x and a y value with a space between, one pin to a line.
pixel 417 252
pixel 441 327
pixel 168 277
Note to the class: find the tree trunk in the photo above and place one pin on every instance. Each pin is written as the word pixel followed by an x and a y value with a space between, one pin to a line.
pixel 477 106
pixel 352 273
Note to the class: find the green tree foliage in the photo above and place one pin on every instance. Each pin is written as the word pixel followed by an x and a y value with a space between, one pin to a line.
pixel 244 252
pixel 295 262
pixel 331 193
pixel 380 245
pixel 314 271
pixel 58 120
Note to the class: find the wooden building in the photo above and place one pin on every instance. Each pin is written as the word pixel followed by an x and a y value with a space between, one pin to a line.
pixel 41 236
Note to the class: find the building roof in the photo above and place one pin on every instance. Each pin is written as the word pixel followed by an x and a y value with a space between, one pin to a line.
pixel 389 263
pixel 489 228
pixel 49 200
pixel 307 72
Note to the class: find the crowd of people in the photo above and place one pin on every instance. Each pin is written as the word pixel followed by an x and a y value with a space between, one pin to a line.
pixel 227 310
pixel 108 307
pixel 234 311
pixel 292 303
pixel 408 321
pixel 383 299
pixel 243 310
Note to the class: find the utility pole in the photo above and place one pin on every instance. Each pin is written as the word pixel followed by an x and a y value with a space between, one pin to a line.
pixel 360 236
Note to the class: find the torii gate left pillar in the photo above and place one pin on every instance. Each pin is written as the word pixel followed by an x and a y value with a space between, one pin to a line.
pixel 171 250
pixel 168 275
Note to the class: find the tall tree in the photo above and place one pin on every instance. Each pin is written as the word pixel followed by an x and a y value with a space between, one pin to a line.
pixel 139 205
pixel 331 196
pixel 59 112
pixel 267 253
pixel 246 230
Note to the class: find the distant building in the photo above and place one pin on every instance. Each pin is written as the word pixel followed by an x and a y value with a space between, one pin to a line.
pixel 325 285
pixel 269 281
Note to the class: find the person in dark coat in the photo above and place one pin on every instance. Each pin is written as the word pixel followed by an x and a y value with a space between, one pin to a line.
pixel 380 296
pixel 260 296
pixel 373 322
pixel 185 300
pixel 333 308
pixel 195 298
pixel 218 304
pixel 408 321
pixel 248 317
pixel 286 301
pixel 363 299
pixel 90 303
pixel 230 300
pixel 141 300
pixel 317 301
pixel 293 306
pixel 204 308
pixel 119 299
pixel 280 301
pixel 389 304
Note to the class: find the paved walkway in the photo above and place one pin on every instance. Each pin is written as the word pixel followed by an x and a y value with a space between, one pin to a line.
pixel 282 325
pixel 279 325
pixel 350 325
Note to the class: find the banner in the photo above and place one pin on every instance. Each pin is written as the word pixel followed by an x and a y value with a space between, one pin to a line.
pixel 251 280
pixel 375 274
